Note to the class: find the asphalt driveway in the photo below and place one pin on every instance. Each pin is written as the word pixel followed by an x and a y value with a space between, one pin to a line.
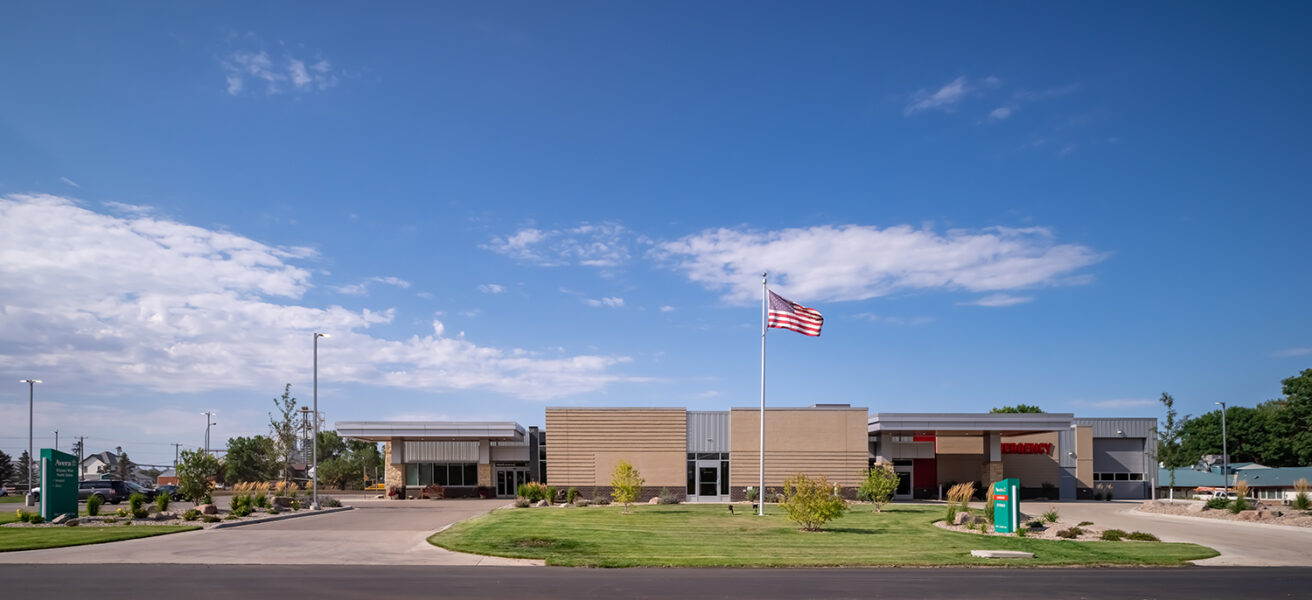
pixel 376 532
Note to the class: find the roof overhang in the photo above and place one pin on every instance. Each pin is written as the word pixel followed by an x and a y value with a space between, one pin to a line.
pixel 969 423
pixel 386 431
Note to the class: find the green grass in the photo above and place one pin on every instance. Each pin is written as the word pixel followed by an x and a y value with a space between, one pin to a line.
pixel 703 536
pixel 11 499
pixel 35 538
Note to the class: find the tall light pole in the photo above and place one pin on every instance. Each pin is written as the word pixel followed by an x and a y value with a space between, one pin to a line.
pixel 315 465
pixel 31 383
pixel 1225 453
pixel 209 420
pixel 56 432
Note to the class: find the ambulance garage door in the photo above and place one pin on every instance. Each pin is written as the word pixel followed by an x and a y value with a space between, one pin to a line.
pixel 1118 466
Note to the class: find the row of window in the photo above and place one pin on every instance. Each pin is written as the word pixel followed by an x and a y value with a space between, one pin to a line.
pixel 441 474
pixel 1118 476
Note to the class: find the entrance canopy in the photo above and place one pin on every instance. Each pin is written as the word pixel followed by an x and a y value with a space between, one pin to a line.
pixel 968 423
pixel 385 431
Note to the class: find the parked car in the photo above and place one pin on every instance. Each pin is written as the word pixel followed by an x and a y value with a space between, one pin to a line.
pixel 170 490
pixel 112 491
pixel 4 491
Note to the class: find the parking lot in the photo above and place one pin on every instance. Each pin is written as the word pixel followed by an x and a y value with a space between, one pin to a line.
pixel 376 532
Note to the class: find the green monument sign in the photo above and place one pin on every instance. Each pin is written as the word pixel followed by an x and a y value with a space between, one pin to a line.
pixel 1006 505
pixel 58 484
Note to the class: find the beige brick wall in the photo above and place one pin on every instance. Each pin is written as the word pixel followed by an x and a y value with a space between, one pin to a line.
pixel 1033 470
pixel 828 442
pixel 584 444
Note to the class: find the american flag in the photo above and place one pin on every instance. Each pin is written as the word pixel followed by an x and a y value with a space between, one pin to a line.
pixel 786 314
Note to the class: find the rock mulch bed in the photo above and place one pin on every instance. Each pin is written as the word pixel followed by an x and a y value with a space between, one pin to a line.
pixel 111 519
pixel 1048 531
pixel 1273 514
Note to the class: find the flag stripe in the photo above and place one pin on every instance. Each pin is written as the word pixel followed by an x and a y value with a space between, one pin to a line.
pixel 786 314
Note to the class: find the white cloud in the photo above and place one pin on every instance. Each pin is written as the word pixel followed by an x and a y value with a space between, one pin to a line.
pixel 491 288
pixel 944 99
pixel 362 288
pixel 856 262
pixel 1000 300
pixel 1291 352
pixel 667 308
pixel 1000 113
pixel 608 301
pixel 140 302
pixel 243 65
pixel 69 182
pixel 599 245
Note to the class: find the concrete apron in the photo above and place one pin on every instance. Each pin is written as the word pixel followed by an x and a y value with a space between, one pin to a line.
pixel 376 533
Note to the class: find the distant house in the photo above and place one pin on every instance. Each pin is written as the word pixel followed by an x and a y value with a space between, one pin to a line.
pixel 1266 483
pixel 168 477
pixel 104 465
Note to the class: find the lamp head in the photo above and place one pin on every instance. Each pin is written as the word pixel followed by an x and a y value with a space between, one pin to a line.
pixel 322 335
pixel 29 381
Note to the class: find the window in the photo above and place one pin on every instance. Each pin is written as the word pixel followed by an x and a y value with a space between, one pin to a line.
pixel 458 474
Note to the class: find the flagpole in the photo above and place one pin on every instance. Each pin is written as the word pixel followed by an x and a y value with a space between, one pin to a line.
pixel 760 492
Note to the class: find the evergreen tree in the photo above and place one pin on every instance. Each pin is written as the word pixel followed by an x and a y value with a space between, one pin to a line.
pixel 7 469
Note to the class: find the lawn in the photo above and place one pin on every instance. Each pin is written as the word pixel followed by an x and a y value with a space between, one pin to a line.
pixel 12 498
pixel 707 535
pixel 33 538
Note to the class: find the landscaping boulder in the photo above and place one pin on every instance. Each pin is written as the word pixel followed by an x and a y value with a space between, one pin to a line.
pixel 282 501
pixel 62 519
pixel 541 503
pixel 1196 507
pixel 1247 515
pixel 655 500
pixel 166 516
pixel 208 509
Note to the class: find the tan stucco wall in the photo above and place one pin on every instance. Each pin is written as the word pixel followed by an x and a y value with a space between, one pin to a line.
pixel 959 467
pixel 584 444
pixel 828 442
pixel 1033 470
pixel 1084 456
pixel 959 444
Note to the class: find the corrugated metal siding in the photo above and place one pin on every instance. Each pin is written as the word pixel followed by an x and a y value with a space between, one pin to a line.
pixel 516 453
pixel 708 431
pixel 1130 427
pixel 441 452
pixel 1117 455
pixel 1066 448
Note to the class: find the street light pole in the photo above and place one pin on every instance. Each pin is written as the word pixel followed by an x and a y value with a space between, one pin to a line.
pixel 56 432
pixel 1225 453
pixel 209 416
pixel 314 505
pixel 31 383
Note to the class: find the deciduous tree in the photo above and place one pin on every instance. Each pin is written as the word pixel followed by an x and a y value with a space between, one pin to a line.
pixel 625 483
pixel 1019 408
pixel 879 485
pixel 1170 450
pixel 249 459
pixel 282 430
pixel 812 502
pixel 194 472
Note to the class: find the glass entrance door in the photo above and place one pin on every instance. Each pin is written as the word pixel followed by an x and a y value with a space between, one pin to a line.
pixel 509 480
pixel 708 481
pixel 904 483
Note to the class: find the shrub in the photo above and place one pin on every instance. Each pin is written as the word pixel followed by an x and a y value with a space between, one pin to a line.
pixel 1218 503
pixel 626 483
pixel 988 509
pixel 135 501
pixel 111 520
pixel 551 494
pixel 329 502
pixel 262 500
pixel 1097 495
pixel 571 495
pixel 1051 515
pixel 194 472
pixel 961 493
pixel 752 493
pixel 1113 535
pixel 1085 523
pixel 36 520
pixel 140 513
pixel 1107 494
pixel 93 505
pixel 878 486
pixel 207 499
pixel 533 490
pixel 161 502
pixel 1034 524
pixel 1070 533
pixel 1141 536
pixel 191 515
pixel 1241 496
pixel 667 497
pixel 273 510
pixel 812 502
pixel 1049 490
pixel 25 517
pixel 1301 501
pixel 1238 504
pixel 209 518
pixel 522 502
pixel 1021 531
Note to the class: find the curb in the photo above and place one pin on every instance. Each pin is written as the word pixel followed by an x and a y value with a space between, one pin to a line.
pixel 293 515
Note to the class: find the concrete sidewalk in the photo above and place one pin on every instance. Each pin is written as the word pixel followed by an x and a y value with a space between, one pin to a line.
pixel 375 533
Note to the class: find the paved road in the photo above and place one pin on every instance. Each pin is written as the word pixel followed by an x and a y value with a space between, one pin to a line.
pixel 1240 544
pixel 375 533
pixel 243 582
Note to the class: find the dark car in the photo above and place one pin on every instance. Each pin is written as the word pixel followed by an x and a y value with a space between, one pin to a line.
pixel 112 491
pixel 170 490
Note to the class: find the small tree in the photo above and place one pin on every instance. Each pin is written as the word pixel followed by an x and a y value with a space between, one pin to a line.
pixel 1170 450
pixel 1300 498
pixel 625 483
pixel 123 468
pixel 879 485
pixel 282 430
pixel 812 502
pixel 194 472
pixel 1019 408
pixel 27 465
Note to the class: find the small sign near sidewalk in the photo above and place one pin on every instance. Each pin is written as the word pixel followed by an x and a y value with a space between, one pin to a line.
pixel 1006 505
pixel 58 484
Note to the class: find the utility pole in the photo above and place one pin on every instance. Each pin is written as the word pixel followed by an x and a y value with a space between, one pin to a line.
pixel 175 457
pixel 56 432
pixel 81 451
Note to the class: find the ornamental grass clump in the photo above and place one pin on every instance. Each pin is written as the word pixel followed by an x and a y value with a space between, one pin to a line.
pixel 136 502
pixel 533 491
pixel 1051 515
pixel 959 498
pixel 812 502
pixel 1241 497
pixel 161 503
pixel 1301 501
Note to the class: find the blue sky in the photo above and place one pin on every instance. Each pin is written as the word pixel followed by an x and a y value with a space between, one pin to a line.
pixel 496 208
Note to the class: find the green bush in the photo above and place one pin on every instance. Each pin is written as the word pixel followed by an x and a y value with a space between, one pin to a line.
pixel 522 502
pixel 191 515
pixel 36 520
pixel 161 502
pixel 667 497
pixel 1051 515
pixel 1021 532
pixel 1218 503
pixel 135 501
pixel 1070 533
pixel 878 486
pixel 812 502
pixel 1097 496
pixel 209 518
pixel 1140 536
pixel 551 494
pixel 1049 490
pixel 533 491
pixel 25 517
pixel 93 505
pixel 1301 501
pixel 1085 523
pixel 1239 504
pixel 262 500
pixel 571 495
pixel 1113 535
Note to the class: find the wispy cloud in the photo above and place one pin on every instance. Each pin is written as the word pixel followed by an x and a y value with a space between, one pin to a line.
pixel 1000 300
pixel 140 302
pixel 608 301
pixel 69 182
pixel 1291 352
pixel 944 98
pixel 667 308
pixel 362 288
pixel 856 262
pixel 890 320
pixel 1000 113
pixel 280 75
pixel 594 245
pixel 491 288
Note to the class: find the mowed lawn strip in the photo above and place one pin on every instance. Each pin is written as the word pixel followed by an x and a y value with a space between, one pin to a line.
pixel 34 538
pixel 707 535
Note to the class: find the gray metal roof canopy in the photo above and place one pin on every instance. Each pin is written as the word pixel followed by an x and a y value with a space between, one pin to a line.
pixel 382 431
pixel 969 423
